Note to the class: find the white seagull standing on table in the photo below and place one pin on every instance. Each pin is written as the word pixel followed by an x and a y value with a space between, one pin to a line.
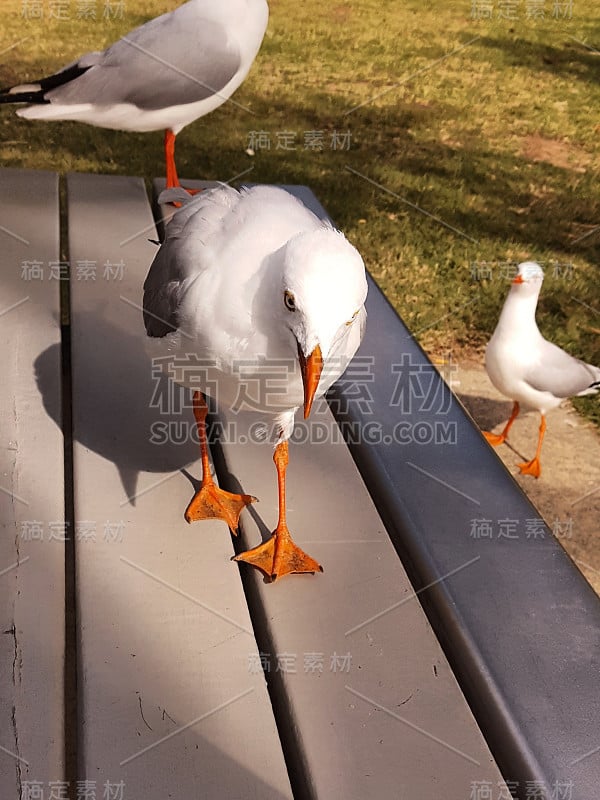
pixel 161 76
pixel 526 367
pixel 255 278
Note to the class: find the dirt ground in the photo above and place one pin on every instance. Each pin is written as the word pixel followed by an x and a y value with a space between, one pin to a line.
pixel 567 494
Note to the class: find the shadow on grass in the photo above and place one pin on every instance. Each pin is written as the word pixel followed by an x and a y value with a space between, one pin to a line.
pixel 483 193
pixel 443 204
pixel 571 60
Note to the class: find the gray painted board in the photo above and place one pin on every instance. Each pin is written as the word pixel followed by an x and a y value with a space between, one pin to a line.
pixel 32 643
pixel 170 702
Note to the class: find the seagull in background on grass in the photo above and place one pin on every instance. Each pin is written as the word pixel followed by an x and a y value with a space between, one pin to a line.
pixel 161 76
pixel 254 278
pixel 526 367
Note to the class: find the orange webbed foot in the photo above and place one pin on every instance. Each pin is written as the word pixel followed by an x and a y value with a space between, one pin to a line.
pixel 494 439
pixel 279 556
pixel 210 502
pixel 532 467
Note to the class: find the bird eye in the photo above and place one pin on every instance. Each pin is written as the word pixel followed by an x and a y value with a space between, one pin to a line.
pixel 290 301
pixel 353 317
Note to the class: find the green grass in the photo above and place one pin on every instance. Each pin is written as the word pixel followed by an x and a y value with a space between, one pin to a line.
pixel 488 126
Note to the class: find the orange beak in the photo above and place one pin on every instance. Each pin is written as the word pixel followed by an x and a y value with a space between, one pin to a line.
pixel 311 368
pixel 518 279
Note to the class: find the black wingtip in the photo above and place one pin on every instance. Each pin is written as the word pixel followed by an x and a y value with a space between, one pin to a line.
pixel 46 85
pixel 6 96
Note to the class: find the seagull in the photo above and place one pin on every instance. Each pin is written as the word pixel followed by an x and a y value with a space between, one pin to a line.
pixel 245 282
pixel 528 368
pixel 160 76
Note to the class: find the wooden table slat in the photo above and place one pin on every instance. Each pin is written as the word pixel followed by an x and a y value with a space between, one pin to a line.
pixel 31 486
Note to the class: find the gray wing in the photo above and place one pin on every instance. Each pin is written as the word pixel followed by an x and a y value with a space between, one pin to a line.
pixel 162 289
pixel 171 60
pixel 180 259
pixel 561 374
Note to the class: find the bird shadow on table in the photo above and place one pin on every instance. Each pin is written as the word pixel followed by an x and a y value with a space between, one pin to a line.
pixel 123 409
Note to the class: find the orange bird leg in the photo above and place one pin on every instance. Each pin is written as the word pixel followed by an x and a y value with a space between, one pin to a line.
pixel 534 467
pixel 210 502
pixel 172 179
pixel 498 438
pixel 279 556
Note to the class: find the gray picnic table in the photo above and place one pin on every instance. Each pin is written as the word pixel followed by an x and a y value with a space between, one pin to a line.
pixel 423 663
